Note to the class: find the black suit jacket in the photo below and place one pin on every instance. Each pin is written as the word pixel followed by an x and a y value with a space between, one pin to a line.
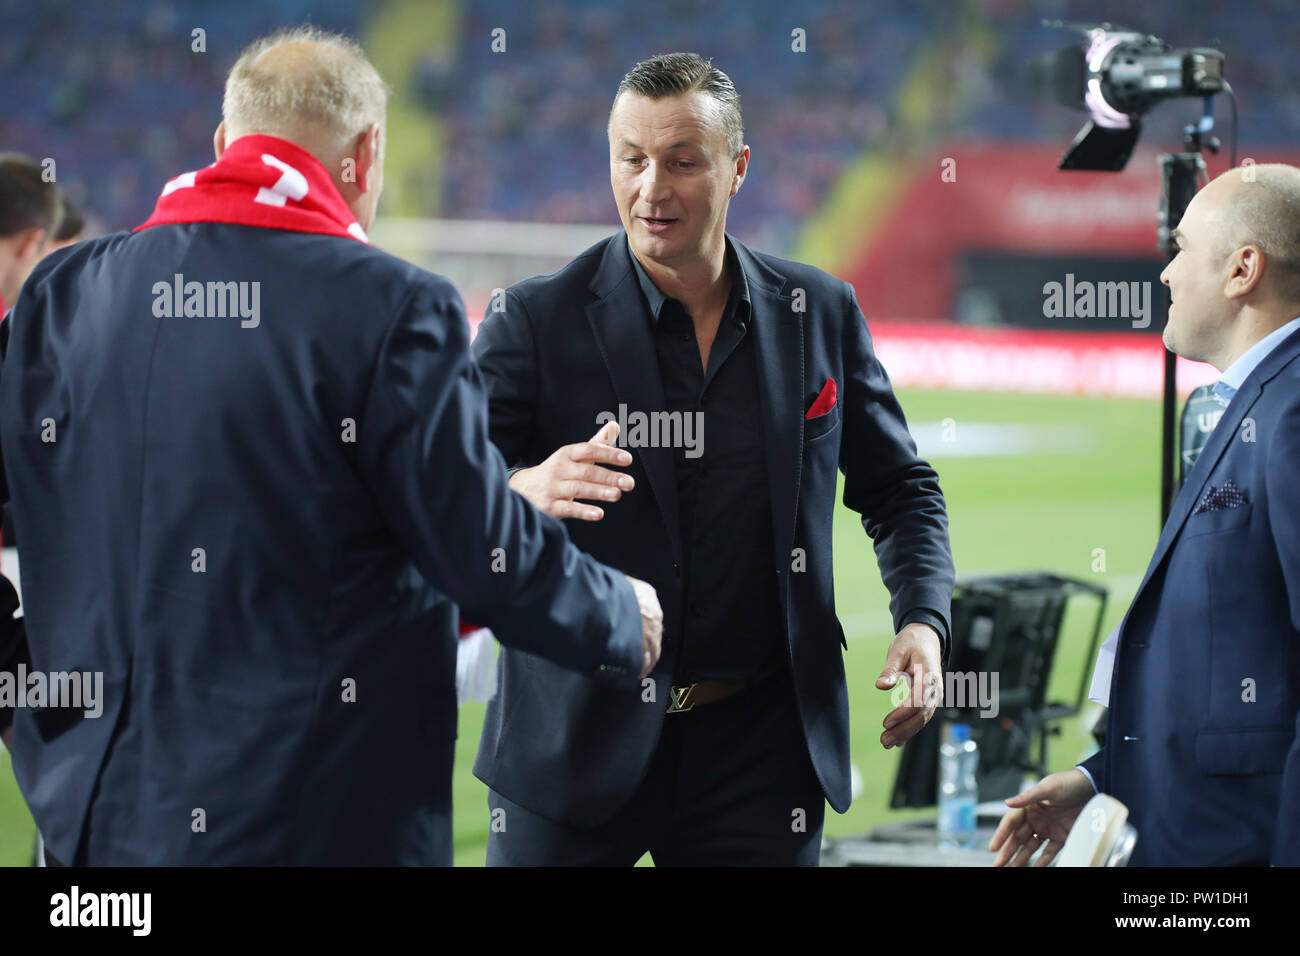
pixel 567 346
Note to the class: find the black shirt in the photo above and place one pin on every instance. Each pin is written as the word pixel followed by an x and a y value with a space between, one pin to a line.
pixel 733 625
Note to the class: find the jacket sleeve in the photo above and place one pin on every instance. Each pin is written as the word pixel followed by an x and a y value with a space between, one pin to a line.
pixel 1283 498
pixel 1096 770
pixel 506 354
pixel 896 492
pixel 424 450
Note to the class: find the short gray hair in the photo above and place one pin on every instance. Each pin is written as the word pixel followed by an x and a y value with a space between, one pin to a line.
pixel 1264 210
pixel 675 74
pixel 339 92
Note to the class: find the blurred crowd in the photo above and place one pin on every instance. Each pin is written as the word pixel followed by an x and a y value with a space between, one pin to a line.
pixel 115 93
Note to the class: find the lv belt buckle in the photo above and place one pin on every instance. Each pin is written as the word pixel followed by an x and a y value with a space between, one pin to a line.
pixel 680 702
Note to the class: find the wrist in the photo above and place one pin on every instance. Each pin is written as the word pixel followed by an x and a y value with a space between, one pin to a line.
pixel 926 630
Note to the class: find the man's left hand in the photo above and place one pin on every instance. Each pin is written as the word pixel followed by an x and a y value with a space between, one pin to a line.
pixel 914 654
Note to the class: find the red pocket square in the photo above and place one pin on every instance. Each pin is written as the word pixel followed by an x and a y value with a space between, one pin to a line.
pixel 825 401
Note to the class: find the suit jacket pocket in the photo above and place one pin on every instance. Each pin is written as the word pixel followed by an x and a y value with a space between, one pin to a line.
pixel 814 428
pixel 1238 751
pixel 1208 522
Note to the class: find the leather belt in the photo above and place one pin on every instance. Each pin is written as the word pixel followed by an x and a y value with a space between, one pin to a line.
pixel 690 696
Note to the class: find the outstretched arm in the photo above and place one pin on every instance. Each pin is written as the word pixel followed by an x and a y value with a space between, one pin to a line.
pixel 442 484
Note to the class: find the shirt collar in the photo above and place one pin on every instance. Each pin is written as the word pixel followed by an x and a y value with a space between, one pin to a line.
pixel 655 299
pixel 1236 374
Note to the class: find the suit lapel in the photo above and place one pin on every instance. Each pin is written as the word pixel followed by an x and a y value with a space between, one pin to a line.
pixel 1191 491
pixel 778 353
pixel 623 335
pixel 1220 440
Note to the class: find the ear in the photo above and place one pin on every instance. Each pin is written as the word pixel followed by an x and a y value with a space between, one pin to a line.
pixel 1245 269
pixel 219 140
pixel 32 245
pixel 742 167
pixel 366 151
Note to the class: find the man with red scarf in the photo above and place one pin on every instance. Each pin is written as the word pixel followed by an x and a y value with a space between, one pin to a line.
pixel 250 470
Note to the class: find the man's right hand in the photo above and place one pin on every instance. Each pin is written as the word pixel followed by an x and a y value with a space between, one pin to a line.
pixel 1042 814
pixel 652 623
pixel 573 472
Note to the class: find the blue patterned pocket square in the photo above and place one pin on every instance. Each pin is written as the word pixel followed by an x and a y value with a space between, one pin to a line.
pixel 1227 495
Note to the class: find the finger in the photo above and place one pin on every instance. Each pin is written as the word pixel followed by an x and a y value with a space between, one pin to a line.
pixel 898 714
pixel 560 508
pixel 894 665
pixel 589 471
pixel 1006 826
pixel 1009 850
pixel 585 451
pixel 1050 850
pixel 900 734
pixel 575 488
pixel 1027 850
pixel 1019 833
pixel 1034 794
pixel 606 433
pixel 1012 847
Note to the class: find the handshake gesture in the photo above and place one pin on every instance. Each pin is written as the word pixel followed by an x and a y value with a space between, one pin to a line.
pixel 576 471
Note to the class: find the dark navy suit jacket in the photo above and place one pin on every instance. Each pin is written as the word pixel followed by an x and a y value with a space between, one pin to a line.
pixel 570 345
pixel 333 465
pixel 1202 741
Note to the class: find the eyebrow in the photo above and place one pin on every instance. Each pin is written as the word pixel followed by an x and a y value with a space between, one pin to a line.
pixel 1176 235
pixel 624 141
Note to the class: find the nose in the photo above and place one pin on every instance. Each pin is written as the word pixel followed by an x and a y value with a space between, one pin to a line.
pixel 654 185
pixel 1164 275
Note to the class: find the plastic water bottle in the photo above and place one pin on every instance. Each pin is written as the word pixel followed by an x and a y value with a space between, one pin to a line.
pixel 958 791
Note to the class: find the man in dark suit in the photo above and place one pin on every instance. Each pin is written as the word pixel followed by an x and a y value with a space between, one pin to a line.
pixel 1202 741
pixel 252 480
pixel 736 383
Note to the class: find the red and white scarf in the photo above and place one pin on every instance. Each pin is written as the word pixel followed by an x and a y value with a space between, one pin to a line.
pixel 259 181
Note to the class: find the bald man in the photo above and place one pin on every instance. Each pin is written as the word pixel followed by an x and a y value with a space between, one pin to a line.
pixel 252 481
pixel 1202 742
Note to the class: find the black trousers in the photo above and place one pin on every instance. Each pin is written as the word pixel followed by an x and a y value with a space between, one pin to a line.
pixel 730 784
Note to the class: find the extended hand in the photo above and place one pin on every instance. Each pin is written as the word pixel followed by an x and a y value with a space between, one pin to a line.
pixel 915 652
pixel 572 472
pixel 1042 814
